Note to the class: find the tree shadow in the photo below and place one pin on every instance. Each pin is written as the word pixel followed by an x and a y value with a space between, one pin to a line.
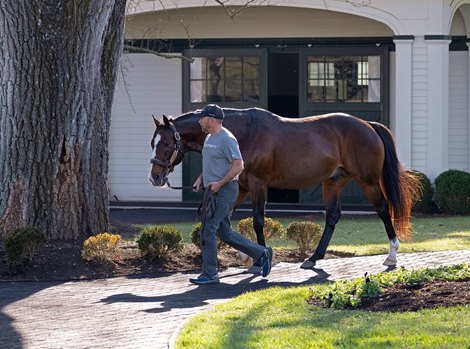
pixel 194 296
pixel 10 293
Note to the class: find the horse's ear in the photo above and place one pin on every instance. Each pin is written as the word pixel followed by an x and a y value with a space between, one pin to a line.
pixel 155 120
pixel 166 120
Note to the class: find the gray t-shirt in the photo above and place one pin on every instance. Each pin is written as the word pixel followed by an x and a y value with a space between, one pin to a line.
pixel 217 155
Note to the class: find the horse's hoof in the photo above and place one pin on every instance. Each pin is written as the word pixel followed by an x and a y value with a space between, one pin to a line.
pixel 307 264
pixel 390 262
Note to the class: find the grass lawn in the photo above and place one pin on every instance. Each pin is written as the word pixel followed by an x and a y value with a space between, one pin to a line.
pixel 366 236
pixel 281 318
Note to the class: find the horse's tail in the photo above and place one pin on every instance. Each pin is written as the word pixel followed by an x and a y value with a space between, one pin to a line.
pixel 401 187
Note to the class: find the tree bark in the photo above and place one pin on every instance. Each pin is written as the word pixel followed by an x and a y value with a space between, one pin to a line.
pixel 59 61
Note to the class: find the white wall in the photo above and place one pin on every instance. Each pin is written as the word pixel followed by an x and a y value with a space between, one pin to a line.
pixel 149 85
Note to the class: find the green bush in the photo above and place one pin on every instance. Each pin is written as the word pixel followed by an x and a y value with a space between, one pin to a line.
pixel 426 203
pixel 271 228
pixel 350 293
pixel 101 248
pixel 452 191
pixel 196 237
pixel 305 233
pixel 158 241
pixel 22 245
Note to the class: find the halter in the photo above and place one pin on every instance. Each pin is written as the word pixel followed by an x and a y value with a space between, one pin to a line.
pixel 169 164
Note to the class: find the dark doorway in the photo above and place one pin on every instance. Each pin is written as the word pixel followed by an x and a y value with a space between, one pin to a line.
pixel 283 100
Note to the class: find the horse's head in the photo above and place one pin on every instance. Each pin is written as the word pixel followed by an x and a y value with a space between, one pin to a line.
pixel 166 151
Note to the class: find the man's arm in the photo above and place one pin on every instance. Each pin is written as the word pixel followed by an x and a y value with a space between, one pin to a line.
pixel 235 169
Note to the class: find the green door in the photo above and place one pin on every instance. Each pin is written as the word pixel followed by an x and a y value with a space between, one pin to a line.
pixel 232 78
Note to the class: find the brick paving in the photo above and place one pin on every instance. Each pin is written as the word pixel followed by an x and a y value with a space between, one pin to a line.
pixel 144 311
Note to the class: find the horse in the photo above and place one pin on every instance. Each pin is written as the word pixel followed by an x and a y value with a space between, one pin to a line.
pixel 284 153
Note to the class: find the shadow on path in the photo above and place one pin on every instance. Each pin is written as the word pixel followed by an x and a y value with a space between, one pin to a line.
pixel 11 292
pixel 197 296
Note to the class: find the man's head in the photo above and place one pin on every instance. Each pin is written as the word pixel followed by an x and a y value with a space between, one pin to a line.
pixel 213 111
pixel 210 118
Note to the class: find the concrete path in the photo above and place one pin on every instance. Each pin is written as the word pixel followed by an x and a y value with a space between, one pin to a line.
pixel 144 312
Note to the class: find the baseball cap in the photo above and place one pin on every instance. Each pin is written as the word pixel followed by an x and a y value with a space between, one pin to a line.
pixel 212 110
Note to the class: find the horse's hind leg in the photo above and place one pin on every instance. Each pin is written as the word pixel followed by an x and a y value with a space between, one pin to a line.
pixel 377 198
pixel 332 199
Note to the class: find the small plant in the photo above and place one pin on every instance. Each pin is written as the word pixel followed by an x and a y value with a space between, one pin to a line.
pixel 22 245
pixel 452 190
pixel 157 241
pixel 272 228
pixel 350 293
pixel 196 237
pixel 426 203
pixel 101 248
pixel 305 233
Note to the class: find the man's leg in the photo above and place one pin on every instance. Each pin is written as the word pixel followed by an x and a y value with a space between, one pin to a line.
pixel 226 198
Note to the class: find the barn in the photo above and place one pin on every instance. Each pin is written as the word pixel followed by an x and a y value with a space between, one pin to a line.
pixel 402 63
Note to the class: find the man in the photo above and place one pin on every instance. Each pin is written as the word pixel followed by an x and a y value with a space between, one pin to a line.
pixel 221 164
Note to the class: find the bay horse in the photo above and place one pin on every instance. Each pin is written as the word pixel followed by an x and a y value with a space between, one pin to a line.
pixel 284 153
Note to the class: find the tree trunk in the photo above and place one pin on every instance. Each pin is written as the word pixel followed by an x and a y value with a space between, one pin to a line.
pixel 59 61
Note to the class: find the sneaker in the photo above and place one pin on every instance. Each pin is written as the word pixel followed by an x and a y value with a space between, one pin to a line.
pixel 266 261
pixel 205 279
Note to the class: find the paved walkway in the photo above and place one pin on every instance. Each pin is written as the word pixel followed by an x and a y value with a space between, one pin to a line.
pixel 145 311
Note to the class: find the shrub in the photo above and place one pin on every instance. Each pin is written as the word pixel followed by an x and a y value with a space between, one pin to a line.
pixel 452 190
pixel 271 228
pixel 426 202
pixel 22 245
pixel 101 248
pixel 196 237
pixel 351 293
pixel 305 233
pixel 157 241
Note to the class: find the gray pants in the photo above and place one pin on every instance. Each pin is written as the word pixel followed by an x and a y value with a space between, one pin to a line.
pixel 219 224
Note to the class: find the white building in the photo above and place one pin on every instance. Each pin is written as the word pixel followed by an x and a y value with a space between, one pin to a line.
pixel 403 63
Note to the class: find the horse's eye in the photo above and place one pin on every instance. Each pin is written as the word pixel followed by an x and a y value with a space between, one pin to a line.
pixel 166 144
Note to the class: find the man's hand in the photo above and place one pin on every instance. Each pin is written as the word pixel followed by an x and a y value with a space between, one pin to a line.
pixel 215 186
pixel 197 186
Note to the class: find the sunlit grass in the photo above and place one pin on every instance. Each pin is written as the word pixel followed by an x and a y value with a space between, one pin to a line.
pixel 281 318
pixel 366 236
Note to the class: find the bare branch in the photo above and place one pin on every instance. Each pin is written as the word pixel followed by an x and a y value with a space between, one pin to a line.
pixel 159 54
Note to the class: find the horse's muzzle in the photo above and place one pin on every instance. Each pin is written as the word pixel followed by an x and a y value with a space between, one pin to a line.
pixel 158 180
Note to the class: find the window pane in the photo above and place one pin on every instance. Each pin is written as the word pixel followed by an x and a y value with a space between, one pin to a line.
pixel 316 93
pixel 197 92
pixel 251 79
pixel 374 67
pixel 343 78
pixel 198 68
pixel 215 91
pixel 233 90
pixel 219 79
pixel 215 66
pixel 373 93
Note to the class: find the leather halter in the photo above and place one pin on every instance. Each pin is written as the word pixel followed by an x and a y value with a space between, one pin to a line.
pixel 169 164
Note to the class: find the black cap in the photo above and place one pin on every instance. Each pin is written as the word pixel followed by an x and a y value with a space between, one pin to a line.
pixel 212 110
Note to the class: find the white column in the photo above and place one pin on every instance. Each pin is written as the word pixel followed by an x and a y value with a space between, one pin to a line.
pixel 468 106
pixel 437 104
pixel 403 101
